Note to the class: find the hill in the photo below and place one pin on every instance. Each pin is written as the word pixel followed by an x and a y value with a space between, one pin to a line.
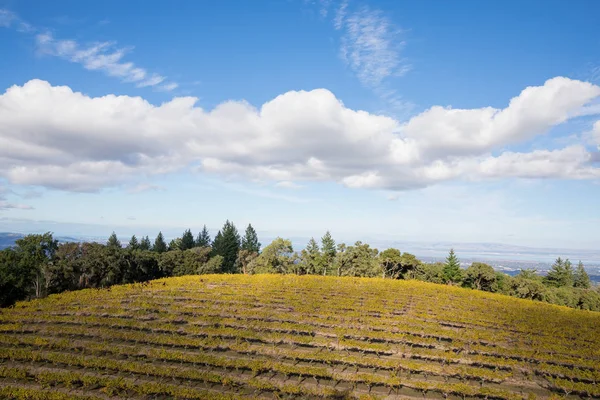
pixel 268 336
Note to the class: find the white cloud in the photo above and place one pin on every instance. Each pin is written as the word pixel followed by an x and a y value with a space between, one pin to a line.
pixel 103 56
pixel 99 57
pixel 54 137
pixel 288 185
pixel 6 18
pixel 445 131
pixel 6 205
pixel 144 187
pixel 371 45
pixel 596 134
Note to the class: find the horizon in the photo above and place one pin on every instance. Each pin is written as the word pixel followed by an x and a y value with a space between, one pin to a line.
pixel 373 120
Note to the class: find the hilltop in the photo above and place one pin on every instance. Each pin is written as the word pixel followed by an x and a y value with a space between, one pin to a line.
pixel 267 336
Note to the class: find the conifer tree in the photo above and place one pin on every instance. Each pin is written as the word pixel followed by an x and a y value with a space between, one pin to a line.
pixel 203 239
pixel 227 245
pixel 160 246
pixel 311 258
pixel 175 244
pixel 452 272
pixel 250 240
pixel 145 243
pixel 580 278
pixel 329 251
pixel 133 243
pixel 113 241
pixel 561 274
pixel 187 240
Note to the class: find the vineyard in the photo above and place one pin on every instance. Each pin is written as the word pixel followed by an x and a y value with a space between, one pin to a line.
pixel 284 336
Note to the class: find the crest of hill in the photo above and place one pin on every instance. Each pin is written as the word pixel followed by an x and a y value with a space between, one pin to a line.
pixel 236 336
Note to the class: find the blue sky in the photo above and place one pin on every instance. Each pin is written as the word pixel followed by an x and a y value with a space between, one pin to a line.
pixel 423 121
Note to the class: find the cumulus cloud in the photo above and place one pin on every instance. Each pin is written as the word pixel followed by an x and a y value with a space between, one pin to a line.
pixel 54 137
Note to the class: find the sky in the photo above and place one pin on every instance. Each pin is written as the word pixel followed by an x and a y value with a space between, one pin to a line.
pixel 413 121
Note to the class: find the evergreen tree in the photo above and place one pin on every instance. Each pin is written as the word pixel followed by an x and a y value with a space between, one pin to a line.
pixel 203 239
pixel 560 275
pixel 311 259
pixel 145 243
pixel 175 244
pixel 160 246
pixel 133 243
pixel 227 245
pixel 580 278
pixel 452 272
pixel 113 241
pixel 187 240
pixel 250 240
pixel 328 250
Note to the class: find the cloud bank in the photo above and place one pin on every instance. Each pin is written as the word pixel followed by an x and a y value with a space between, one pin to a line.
pixel 56 138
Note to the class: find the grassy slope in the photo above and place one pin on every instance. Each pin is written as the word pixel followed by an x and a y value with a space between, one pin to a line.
pixel 269 335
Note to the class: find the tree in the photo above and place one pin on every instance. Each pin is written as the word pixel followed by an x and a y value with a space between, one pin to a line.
pixel 175 244
pixel 187 240
pixel 480 276
pixel 396 265
pixel 357 260
pixel 133 243
pixel 227 245
pixel 428 272
pixel 245 257
pixel 15 278
pixel 113 241
pixel 36 252
pixel 160 246
pixel 311 259
pixel 580 278
pixel 145 243
pixel 452 271
pixel 250 240
pixel 203 239
pixel 276 258
pixel 329 251
pixel 560 274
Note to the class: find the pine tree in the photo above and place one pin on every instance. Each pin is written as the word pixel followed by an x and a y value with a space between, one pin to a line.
pixel 328 250
pixel 203 239
pixel 160 246
pixel 175 244
pixel 227 245
pixel 580 278
pixel 133 243
pixel 452 272
pixel 217 244
pixel 561 274
pixel 145 243
pixel 187 240
pixel 113 241
pixel 250 240
pixel 311 258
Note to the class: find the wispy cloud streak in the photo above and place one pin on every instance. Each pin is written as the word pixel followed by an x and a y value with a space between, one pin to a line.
pixel 105 57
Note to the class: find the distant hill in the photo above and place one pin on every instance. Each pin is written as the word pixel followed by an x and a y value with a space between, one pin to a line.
pixel 8 239
pixel 288 336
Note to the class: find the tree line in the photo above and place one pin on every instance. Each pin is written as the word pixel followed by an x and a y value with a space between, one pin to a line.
pixel 38 265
